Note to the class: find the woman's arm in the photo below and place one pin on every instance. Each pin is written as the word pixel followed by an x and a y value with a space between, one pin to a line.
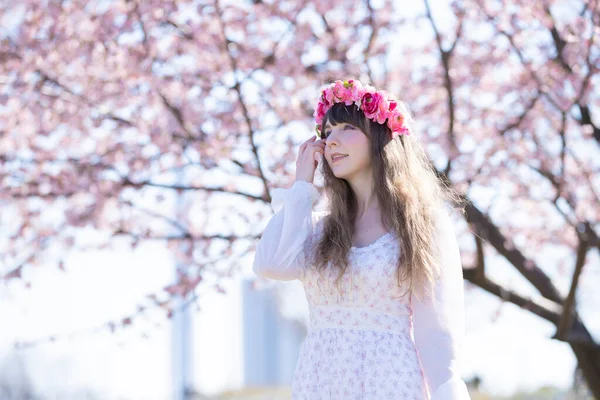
pixel 284 248
pixel 439 325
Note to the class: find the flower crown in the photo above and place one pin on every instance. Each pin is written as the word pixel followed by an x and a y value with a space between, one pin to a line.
pixel 378 106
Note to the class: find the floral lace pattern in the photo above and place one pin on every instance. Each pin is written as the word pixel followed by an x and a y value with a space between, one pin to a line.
pixel 359 345
pixel 357 364
pixel 357 318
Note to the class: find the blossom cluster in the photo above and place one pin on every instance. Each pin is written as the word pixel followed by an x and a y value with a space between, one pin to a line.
pixel 377 105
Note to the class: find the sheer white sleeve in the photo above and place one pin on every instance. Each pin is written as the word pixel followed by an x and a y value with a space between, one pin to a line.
pixel 439 326
pixel 284 249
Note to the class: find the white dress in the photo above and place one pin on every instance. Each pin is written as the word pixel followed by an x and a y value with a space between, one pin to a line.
pixel 366 341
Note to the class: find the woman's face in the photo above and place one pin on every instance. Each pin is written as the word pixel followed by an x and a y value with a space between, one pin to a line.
pixel 347 139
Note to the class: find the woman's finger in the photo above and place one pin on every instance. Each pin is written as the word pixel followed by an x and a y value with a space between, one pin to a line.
pixel 318 143
pixel 306 142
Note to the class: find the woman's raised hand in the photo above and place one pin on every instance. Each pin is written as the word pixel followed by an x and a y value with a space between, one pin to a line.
pixel 309 155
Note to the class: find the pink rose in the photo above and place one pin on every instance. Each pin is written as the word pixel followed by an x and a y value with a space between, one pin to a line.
pixel 343 92
pixel 324 98
pixel 329 97
pixel 393 105
pixel 338 89
pixel 383 111
pixel 356 91
pixel 323 108
pixel 370 104
pixel 320 112
pixel 395 120
pixel 347 98
pixel 401 132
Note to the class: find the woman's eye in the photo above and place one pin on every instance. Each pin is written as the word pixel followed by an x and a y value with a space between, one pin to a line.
pixel 346 127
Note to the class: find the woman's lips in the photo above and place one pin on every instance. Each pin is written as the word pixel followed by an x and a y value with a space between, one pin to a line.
pixel 334 160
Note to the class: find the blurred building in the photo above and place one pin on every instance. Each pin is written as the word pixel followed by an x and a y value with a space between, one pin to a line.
pixel 271 341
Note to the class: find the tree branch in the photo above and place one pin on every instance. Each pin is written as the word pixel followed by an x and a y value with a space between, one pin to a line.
pixel 446 55
pixel 541 307
pixel 566 319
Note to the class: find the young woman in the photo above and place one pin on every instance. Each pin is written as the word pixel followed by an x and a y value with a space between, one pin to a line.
pixel 380 267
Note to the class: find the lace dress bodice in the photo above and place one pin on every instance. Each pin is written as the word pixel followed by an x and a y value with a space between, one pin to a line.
pixel 368 295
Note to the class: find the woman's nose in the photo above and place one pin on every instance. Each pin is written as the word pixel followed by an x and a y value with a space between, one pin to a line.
pixel 332 138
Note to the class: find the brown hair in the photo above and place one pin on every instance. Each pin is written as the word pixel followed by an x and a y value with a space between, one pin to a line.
pixel 409 193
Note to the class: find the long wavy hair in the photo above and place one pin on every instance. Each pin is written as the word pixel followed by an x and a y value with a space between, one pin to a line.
pixel 408 190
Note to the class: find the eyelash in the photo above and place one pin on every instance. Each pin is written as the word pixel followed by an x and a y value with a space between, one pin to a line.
pixel 347 126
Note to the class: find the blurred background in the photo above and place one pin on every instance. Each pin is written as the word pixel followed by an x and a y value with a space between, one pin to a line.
pixel 140 141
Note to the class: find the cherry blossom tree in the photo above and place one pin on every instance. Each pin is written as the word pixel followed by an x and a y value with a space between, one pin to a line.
pixel 113 111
